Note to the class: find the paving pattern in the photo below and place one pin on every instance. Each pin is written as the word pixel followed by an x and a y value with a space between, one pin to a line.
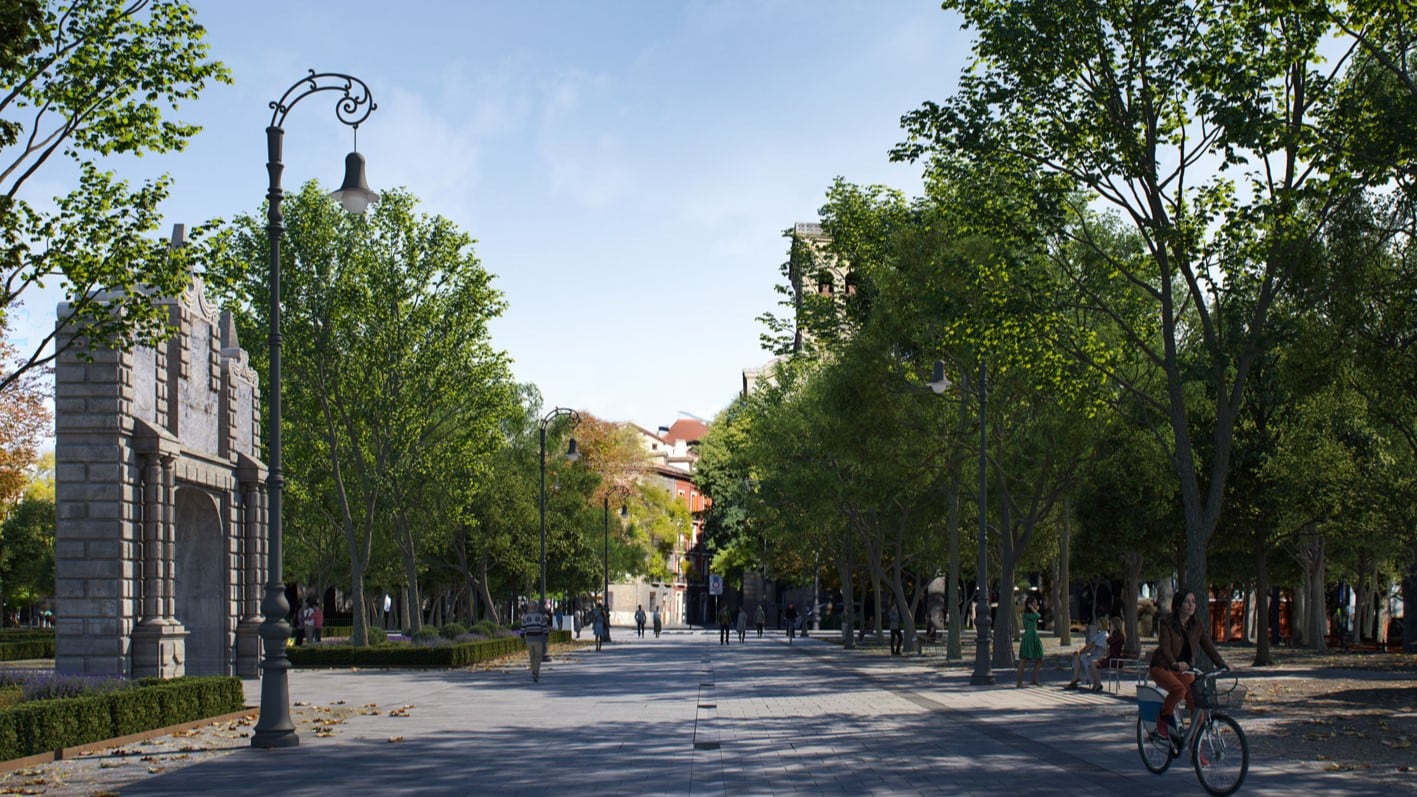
pixel 677 715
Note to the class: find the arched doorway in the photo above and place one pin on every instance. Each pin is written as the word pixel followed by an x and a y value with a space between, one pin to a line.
pixel 200 599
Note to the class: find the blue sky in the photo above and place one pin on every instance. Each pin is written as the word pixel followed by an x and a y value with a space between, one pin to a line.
pixel 627 168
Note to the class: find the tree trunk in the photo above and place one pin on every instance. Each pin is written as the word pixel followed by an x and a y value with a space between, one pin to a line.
pixel 848 600
pixel 1316 607
pixel 361 625
pixel 1004 628
pixel 1263 656
pixel 1131 577
pixel 953 646
pixel 1062 606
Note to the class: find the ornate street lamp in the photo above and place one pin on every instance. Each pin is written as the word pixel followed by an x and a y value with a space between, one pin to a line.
pixel 624 492
pixel 983 670
pixel 352 106
pixel 571 456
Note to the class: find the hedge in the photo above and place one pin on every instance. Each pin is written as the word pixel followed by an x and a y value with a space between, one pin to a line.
pixel 405 655
pixel 34 648
pixel 42 726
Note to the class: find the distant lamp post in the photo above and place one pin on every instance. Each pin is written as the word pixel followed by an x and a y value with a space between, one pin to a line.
pixel 983 670
pixel 352 106
pixel 623 492
pixel 571 456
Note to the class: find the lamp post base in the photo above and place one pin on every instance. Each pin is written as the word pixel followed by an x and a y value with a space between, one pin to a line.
pixel 983 671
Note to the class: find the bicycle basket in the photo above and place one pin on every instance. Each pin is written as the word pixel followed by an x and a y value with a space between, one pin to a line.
pixel 1228 695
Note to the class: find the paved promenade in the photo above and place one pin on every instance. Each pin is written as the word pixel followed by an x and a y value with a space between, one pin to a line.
pixel 683 715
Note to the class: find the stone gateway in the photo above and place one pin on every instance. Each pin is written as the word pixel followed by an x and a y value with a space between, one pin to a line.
pixel 160 543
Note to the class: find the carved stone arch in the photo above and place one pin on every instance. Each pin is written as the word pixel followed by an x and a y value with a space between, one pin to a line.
pixel 199 570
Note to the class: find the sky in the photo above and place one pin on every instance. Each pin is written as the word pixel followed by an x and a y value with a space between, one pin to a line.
pixel 627 168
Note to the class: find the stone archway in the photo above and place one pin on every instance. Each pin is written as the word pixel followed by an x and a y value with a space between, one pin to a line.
pixel 160 542
pixel 197 567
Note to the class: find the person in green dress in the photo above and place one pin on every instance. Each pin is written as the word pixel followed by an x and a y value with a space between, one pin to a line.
pixel 1031 648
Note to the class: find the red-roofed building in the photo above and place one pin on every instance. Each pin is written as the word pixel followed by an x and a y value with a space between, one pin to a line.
pixel 673 455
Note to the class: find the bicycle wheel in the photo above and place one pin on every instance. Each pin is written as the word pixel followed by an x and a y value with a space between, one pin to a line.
pixel 1155 750
pixel 1220 755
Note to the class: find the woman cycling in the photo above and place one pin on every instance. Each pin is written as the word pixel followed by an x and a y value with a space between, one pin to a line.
pixel 1179 637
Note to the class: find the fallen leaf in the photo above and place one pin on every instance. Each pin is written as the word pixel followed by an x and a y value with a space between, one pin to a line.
pixel 395 739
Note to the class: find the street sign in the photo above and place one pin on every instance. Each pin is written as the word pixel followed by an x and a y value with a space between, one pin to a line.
pixel 715 585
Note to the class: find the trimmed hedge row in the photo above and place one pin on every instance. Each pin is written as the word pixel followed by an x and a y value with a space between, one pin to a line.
pixel 42 726
pixel 35 648
pixel 403 655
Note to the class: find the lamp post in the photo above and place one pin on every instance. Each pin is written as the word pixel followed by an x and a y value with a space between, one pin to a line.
pixel 983 670
pixel 352 106
pixel 571 456
pixel 621 490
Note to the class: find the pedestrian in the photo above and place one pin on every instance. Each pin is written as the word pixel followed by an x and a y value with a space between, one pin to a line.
pixel 319 620
pixel 600 625
pixel 658 622
pixel 724 620
pixel 534 626
pixel 560 617
pixel 742 624
pixel 791 616
pixel 760 618
pixel 307 623
pixel 1031 648
pixel 640 620
pixel 897 636
pixel 576 621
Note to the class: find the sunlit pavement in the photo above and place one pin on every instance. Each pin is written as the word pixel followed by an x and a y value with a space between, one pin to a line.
pixel 683 714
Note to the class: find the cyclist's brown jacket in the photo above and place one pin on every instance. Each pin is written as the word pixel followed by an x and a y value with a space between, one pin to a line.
pixel 1170 640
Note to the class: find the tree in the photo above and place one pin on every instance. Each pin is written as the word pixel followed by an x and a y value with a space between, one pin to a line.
pixel 24 421
pixel 87 82
pixel 27 544
pixel 1131 101
pixel 391 375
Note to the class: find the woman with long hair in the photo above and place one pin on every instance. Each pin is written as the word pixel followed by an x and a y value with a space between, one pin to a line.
pixel 1179 637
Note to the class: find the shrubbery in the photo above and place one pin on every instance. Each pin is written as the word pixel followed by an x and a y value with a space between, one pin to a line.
pixel 402 655
pixel 40 726
pixel 453 630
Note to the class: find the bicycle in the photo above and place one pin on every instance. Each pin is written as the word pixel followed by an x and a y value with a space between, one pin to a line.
pixel 1219 751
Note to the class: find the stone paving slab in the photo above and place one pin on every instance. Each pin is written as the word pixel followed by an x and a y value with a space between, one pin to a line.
pixel 683 715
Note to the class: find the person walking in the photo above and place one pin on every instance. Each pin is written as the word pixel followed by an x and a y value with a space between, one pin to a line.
pixel 658 622
pixel 897 636
pixel 307 624
pixel 1031 648
pixel 742 624
pixel 319 620
pixel 534 627
pixel 640 620
pixel 760 618
pixel 724 621
pixel 791 617
pixel 600 624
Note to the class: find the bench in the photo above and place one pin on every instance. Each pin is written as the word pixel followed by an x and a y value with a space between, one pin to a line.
pixel 1134 669
pixel 927 648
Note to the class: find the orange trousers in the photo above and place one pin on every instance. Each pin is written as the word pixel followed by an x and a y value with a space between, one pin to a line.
pixel 1176 684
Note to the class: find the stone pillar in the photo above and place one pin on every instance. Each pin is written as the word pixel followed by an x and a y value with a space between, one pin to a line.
pixel 251 478
pixel 159 641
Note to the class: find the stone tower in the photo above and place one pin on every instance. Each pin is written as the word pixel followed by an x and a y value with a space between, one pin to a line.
pixel 160 496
